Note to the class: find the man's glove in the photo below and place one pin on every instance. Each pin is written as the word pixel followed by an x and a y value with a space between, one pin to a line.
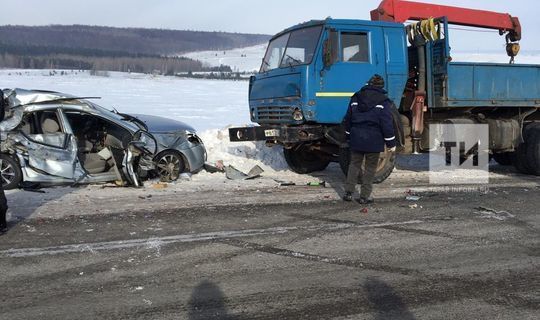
pixel 393 149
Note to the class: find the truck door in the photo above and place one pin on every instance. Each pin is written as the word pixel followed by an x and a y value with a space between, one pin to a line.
pixel 359 54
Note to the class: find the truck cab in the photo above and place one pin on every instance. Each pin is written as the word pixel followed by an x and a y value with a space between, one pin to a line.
pixel 315 67
pixel 307 76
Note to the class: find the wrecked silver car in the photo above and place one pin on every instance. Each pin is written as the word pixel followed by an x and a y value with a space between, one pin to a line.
pixel 55 138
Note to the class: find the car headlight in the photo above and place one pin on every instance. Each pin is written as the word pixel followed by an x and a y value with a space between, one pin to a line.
pixel 193 138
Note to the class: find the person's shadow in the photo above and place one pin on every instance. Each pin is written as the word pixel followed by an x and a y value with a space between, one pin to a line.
pixel 208 302
pixel 385 300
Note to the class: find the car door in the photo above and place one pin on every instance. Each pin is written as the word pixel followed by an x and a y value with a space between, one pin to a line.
pixel 50 148
pixel 359 54
pixel 139 153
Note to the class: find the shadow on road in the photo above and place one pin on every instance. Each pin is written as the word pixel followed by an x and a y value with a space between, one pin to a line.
pixel 208 302
pixel 387 303
pixel 24 203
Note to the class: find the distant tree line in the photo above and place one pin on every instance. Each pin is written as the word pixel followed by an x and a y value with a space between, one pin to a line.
pixel 114 49
pixel 160 42
pixel 161 65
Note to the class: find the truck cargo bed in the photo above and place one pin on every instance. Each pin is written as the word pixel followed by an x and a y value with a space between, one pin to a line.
pixel 487 85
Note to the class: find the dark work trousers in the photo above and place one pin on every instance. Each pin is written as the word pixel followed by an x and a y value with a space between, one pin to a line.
pixel 3 208
pixel 356 173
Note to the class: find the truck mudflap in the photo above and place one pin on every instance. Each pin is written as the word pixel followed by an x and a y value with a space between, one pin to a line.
pixel 281 134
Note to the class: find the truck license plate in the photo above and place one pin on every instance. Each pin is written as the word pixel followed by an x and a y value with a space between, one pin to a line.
pixel 271 133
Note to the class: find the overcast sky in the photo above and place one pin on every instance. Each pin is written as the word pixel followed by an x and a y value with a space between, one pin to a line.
pixel 248 16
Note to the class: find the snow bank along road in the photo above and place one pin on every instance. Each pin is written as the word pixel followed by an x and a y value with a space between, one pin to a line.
pixel 455 256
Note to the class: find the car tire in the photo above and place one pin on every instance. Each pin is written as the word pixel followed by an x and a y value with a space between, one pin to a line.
pixel 301 160
pixel 169 165
pixel 10 172
pixel 386 165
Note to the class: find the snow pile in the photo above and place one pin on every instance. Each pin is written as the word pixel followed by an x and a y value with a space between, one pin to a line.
pixel 242 155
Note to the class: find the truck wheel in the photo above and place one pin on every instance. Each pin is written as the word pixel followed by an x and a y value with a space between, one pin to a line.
pixel 504 158
pixel 384 169
pixel 10 172
pixel 520 160
pixel 533 149
pixel 303 160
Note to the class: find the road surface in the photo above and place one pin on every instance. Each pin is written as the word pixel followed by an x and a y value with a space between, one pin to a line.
pixel 446 256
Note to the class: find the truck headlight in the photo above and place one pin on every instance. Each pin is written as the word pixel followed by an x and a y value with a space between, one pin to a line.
pixel 297 115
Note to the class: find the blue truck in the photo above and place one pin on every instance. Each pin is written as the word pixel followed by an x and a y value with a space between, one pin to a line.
pixel 311 70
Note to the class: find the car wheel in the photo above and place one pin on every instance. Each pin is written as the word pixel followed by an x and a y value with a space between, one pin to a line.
pixel 10 172
pixel 169 165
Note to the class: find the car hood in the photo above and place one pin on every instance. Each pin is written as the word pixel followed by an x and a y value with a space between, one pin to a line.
pixel 157 124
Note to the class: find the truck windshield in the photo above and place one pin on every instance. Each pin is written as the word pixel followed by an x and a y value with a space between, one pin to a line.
pixel 292 49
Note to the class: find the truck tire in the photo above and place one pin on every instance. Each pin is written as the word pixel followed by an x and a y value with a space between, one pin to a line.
pixel 533 149
pixel 504 158
pixel 302 160
pixel 10 172
pixel 520 160
pixel 386 165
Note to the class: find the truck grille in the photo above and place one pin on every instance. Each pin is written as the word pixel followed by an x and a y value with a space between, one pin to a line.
pixel 274 114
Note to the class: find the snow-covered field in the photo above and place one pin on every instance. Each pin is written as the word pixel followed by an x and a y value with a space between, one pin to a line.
pixel 241 59
pixel 204 104
pixel 522 58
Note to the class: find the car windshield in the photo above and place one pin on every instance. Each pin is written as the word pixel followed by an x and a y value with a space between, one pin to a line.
pixel 292 49
pixel 118 116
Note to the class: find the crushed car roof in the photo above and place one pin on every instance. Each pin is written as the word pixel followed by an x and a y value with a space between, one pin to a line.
pixel 20 97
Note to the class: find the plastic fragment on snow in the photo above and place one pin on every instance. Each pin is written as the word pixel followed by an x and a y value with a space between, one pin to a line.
pixel 234 174
pixel 185 176
pixel 317 184
pixel 284 183
pixel 218 166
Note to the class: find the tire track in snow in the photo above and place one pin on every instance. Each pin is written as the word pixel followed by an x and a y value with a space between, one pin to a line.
pixel 155 242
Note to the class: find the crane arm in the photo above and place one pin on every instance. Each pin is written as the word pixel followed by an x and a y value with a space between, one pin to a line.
pixel 401 11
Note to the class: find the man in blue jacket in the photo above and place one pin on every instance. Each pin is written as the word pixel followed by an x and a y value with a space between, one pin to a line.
pixel 370 127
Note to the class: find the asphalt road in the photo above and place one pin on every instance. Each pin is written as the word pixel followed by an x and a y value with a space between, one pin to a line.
pixel 445 258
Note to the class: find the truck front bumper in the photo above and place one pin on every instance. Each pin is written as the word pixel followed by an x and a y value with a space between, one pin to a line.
pixel 279 134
